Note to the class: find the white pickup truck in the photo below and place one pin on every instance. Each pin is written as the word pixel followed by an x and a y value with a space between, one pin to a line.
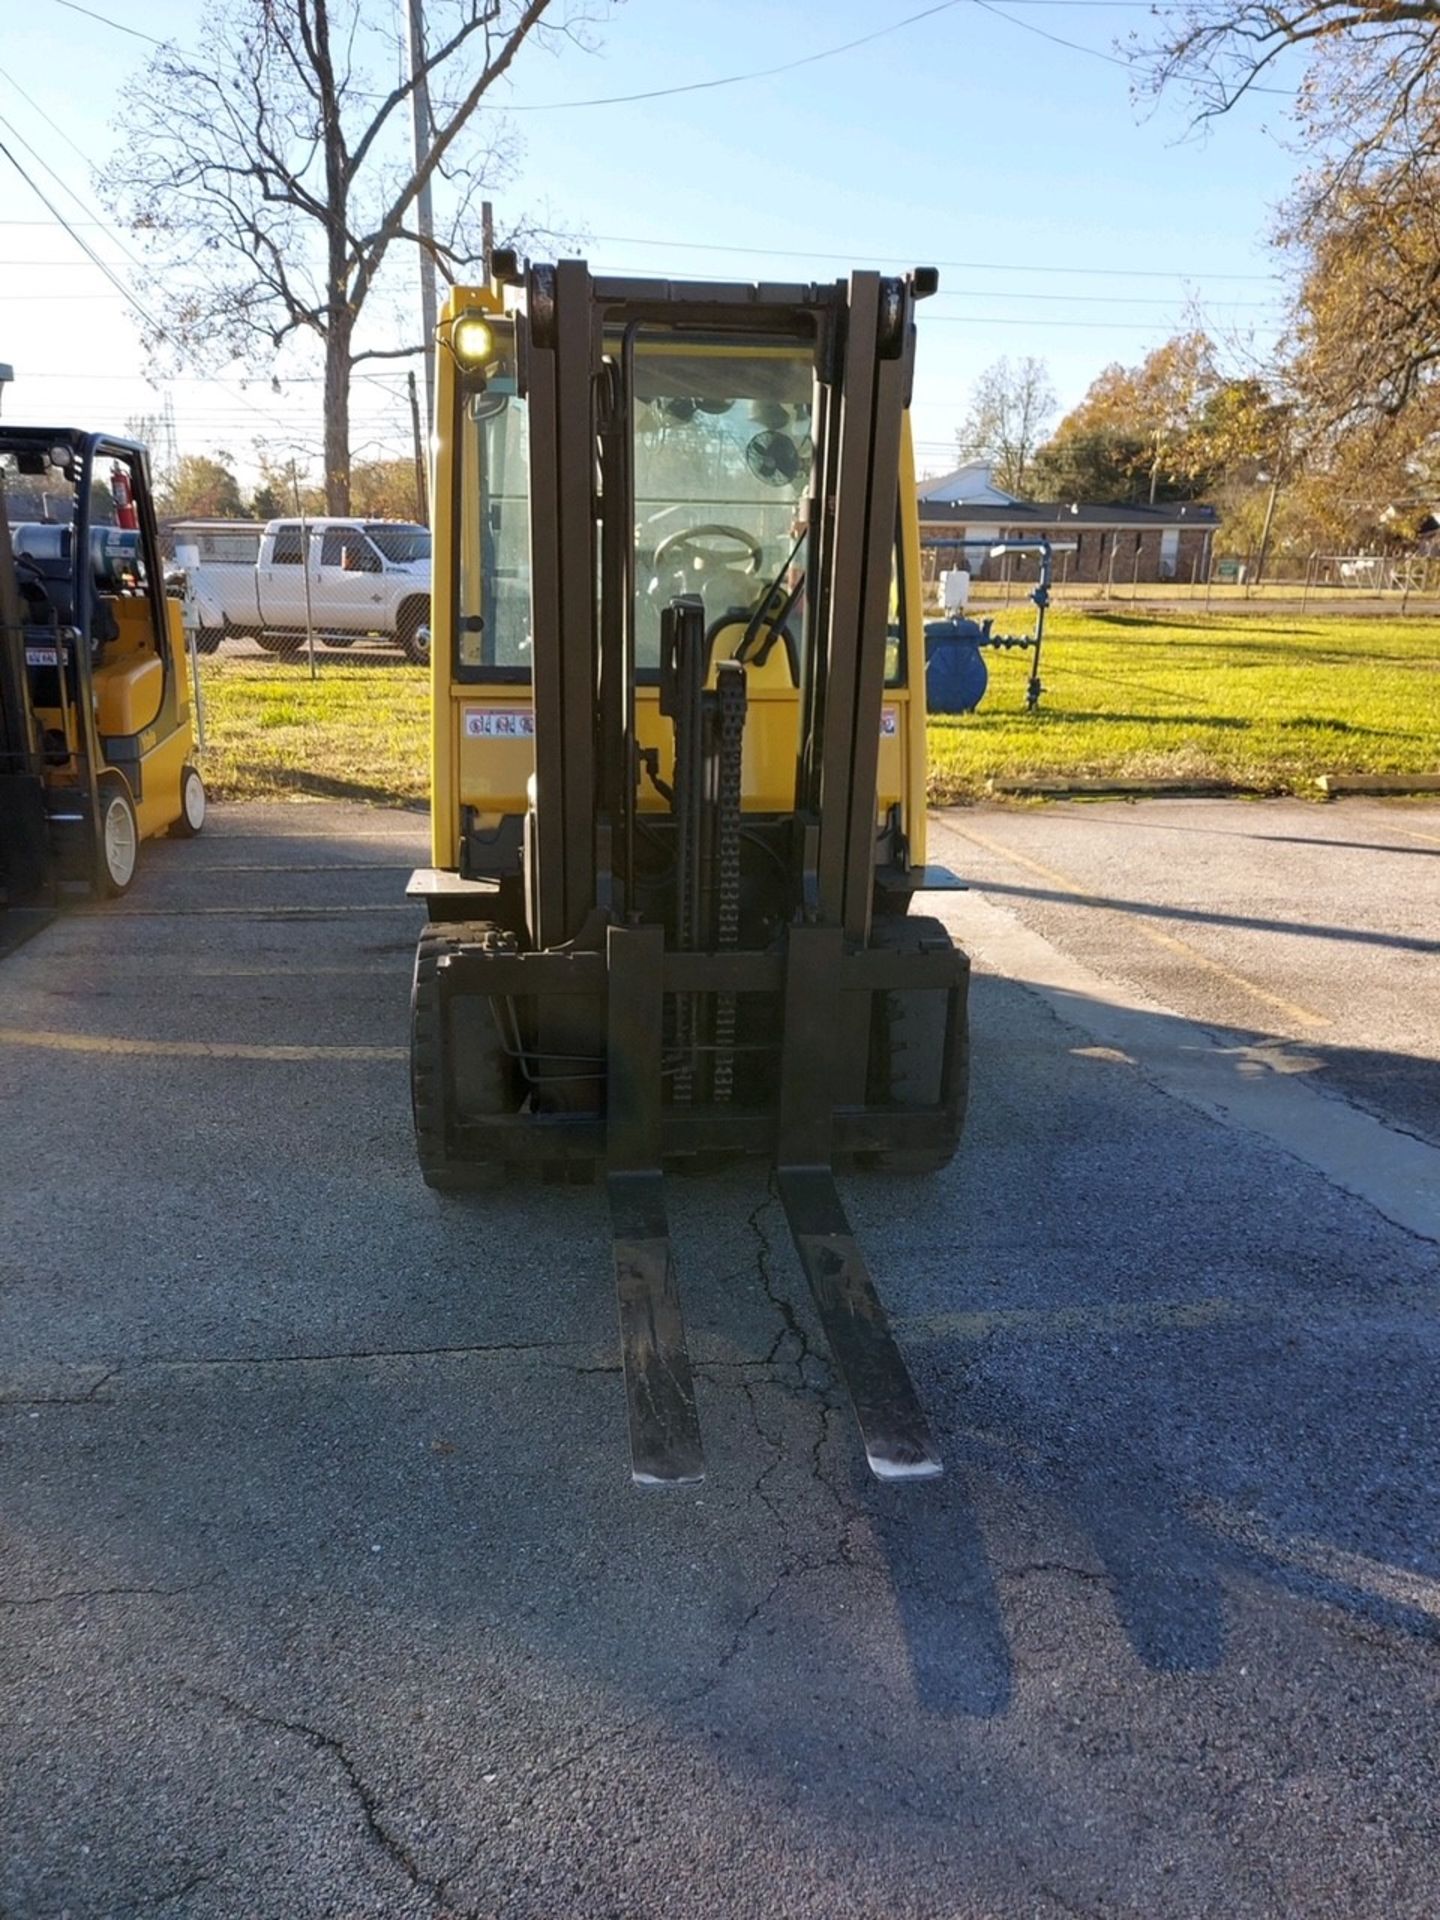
pixel 357 577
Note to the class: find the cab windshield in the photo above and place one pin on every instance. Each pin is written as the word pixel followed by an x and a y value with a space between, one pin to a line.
pixel 722 456
pixel 722 467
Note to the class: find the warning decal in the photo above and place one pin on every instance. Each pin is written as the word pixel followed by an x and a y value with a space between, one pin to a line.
pixel 499 723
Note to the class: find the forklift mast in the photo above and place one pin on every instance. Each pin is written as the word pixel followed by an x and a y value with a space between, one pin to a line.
pixel 690 973
pixel 24 835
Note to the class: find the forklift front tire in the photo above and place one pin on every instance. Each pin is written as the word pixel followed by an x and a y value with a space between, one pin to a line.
pixel 192 805
pixel 119 836
pixel 459 1067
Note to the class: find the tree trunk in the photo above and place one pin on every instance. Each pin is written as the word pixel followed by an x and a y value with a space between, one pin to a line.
pixel 337 412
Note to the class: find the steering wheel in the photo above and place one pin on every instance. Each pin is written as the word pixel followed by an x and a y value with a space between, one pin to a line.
pixel 687 541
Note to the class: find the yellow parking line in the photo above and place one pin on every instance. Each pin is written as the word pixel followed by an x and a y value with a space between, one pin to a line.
pixel 1414 833
pixel 185 1049
pixel 1303 1016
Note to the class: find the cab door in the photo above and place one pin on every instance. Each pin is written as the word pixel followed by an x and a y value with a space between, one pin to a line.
pixel 281 581
pixel 350 584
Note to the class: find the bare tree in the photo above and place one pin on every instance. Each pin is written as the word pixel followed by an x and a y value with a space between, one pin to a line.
pixel 1369 88
pixel 1010 410
pixel 270 173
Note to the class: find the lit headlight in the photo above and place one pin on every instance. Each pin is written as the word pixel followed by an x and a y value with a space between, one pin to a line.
pixel 474 341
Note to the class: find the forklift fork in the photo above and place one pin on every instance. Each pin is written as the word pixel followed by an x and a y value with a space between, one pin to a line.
pixel 898 1443
pixel 665 1447
pixel 664 1426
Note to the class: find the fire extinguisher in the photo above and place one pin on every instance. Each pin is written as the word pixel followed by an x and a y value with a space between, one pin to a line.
pixel 120 492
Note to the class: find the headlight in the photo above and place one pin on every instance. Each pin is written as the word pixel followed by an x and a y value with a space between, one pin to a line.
pixel 474 341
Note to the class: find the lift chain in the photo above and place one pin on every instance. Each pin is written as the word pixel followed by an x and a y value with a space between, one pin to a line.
pixel 730 700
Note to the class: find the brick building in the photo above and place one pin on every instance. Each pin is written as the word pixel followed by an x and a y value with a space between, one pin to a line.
pixel 1126 543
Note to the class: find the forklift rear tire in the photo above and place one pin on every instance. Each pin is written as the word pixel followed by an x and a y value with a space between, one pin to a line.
pixel 119 837
pixel 909 1049
pixel 192 805
pixel 459 1068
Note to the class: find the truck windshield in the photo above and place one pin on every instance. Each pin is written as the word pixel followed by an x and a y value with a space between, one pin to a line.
pixel 400 544
pixel 722 469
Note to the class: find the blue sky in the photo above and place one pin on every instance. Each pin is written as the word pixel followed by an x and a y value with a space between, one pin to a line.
pixel 1067 224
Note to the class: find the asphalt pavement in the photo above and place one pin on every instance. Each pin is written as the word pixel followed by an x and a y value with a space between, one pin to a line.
pixel 325 1588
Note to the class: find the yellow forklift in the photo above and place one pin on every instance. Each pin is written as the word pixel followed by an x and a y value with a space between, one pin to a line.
pixel 679 785
pixel 96 733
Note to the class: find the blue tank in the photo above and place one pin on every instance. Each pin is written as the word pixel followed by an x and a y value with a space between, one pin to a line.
pixel 955 672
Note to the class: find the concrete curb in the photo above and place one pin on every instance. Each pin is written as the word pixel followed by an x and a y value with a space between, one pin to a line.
pixel 1379 783
pixel 1139 787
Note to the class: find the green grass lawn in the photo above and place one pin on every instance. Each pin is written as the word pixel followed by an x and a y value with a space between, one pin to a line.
pixel 356 732
pixel 1262 701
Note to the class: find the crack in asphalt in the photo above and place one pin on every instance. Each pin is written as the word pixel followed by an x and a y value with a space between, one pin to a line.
pixel 97 1593
pixel 86 1399
pixel 791 1325
pixel 1097 1575
pixel 758 1490
pixel 369 1805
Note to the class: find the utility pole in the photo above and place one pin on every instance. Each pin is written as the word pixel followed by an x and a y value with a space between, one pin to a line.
pixel 1262 555
pixel 424 211
pixel 421 489
pixel 487 236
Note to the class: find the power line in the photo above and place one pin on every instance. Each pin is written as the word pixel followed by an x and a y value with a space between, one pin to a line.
pixel 737 79
pixel 796 253
pixel 974 266
pixel 1095 53
pixel 84 245
pixel 73 6
pixel 54 125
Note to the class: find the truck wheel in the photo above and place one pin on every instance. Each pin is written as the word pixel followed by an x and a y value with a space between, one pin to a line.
pixel 192 805
pixel 207 639
pixel 907 1051
pixel 459 1068
pixel 412 630
pixel 119 837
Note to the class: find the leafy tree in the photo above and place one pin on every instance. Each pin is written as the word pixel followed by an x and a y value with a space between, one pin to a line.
pixel 281 490
pixel 199 487
pixel 385 489
pixel 1011 405
pixel 267 502
pixel 1087 462
pixel 271 174
pixel 1138 431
